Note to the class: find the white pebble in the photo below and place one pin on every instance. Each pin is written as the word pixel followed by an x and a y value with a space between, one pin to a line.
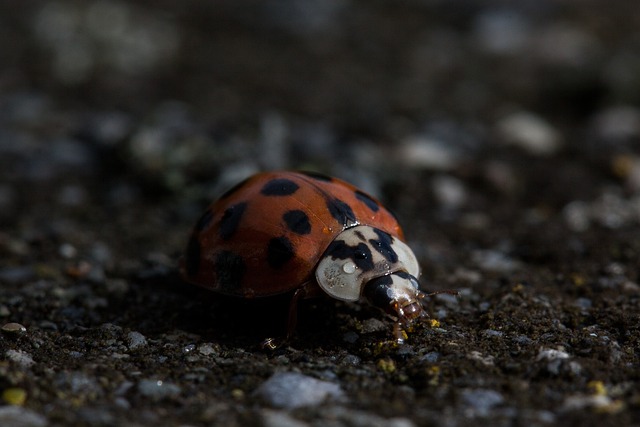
pixel 425 153
pixel 20 357
pixel 530 133
pixel 618 124
pixel 272 418
pixel 449 191
pixel 16 416
pixel 577 216
pixel 291 390
pixel 158 389
pixel 479 402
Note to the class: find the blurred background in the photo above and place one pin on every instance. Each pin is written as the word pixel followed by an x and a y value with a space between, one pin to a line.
pixel 462 104
pixel 465 106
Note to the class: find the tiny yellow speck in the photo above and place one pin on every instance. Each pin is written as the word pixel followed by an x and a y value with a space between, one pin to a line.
pixel 14 396
pixel 384 346
pixel 386 365
pixel 518 287
pixel 237 394
pixel 433 372
pixel 434 323
pixel 597 387
pixel 578 279
pixel 623 165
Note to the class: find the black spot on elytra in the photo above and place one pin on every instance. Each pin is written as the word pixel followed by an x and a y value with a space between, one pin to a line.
pixel 383 245
pixel 367 200
pixel 359 254
pixel 279 251
pixel 230 269
pixel 318 176
pixel 279 187
pixel 204 221
pixel 341 211
pixel 230 220
pixel 297 221
pixel 192 256
pixel 233 189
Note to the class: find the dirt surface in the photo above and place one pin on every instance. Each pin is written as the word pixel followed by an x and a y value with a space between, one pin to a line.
pixel 505 137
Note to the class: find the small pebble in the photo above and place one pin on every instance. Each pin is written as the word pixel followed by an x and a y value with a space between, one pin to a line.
pixel 67 250
pixel 189 348
pixel 15 275
pixel 272 418
pixel 13 328
pixel 479 402
pixel 619 124
pixel 207 349
pixel 290 390
pixel 136 340
pixel 351 359
pixel 431 357
pixel 577 216
pixel 450 192
pixel 158 389
pixel 350 337
pixel 496 261
pixel 493 333
pixel 424 153
pixel 556 361
pixel 530 132
pixel 17 416
pixel 20 357
pixel 373 325
pixel 551 354
pixel 358 418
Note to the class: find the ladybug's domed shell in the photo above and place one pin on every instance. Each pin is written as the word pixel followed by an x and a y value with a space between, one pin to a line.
pixel 266 235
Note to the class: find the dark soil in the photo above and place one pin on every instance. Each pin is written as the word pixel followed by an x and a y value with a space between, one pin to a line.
pixel 506 138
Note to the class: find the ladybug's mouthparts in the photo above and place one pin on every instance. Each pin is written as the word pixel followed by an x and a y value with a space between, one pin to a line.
pixel 408 313
pixel 398 295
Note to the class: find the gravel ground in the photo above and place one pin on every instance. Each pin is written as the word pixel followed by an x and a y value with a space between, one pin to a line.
pixel 506 138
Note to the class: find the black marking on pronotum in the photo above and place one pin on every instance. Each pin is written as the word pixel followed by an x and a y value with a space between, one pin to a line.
pixel 279 187
pixel 409 277
pixel 192 257
pixel 230 269
pixel 204 221
pixel 379 292
pixel 367 200
pixel 341 211
pixel 383 245
pixel 297 221
pixel 359 254
pixel 318 176
pixel 279 251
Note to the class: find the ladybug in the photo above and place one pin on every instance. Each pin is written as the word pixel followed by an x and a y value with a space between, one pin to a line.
pixel 309 234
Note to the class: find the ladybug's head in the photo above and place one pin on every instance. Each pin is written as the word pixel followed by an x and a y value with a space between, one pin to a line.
pixel 397 294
